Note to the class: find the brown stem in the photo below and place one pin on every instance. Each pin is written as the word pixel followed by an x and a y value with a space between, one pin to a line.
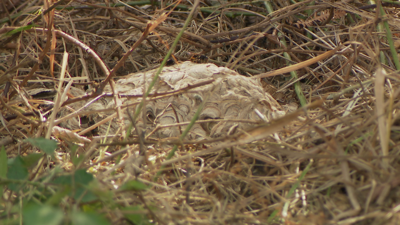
pixel 122 60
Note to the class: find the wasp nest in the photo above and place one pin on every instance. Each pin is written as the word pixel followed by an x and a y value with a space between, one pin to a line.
pixel 231 101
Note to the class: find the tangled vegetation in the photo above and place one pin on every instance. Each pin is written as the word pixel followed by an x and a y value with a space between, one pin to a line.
pixel 333 158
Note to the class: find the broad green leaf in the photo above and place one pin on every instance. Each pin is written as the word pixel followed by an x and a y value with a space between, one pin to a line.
pixel 34 214
pixel 133 185
pixel 3 163
pixel 77 160
pixel 136 218
pixel 56 198
pixel 3 166
pixel 32 159
pixel 83 177
pixel 74 157
pixel 63 180
pixel 46 145
pixel 92 207
pixel 84 195
pixel 79 190
pixel 88 218
pixel 17 171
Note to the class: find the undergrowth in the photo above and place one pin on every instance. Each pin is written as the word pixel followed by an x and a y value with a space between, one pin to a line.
pixel 332 159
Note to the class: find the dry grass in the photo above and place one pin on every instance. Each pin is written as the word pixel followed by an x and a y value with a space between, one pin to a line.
pixel 334 161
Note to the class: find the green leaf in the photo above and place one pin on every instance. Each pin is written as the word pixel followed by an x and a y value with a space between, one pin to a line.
pixel 3 163
pixel 77 160
pixel 19 29
pixel 3 166
pixel 136 218
pixel 46 145
pixel 32 159
pixel 92 207
pixel 56 198
pixel 34 214
pixel 17 171
pixel 79 190
pixel 89 218
pixel 74 157
pixel 103 194
pixel 63 180
pixel 83 177
pixel 84 195
pixel 133 185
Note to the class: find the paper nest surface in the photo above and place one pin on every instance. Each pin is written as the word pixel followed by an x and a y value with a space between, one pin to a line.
pixel 229 97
